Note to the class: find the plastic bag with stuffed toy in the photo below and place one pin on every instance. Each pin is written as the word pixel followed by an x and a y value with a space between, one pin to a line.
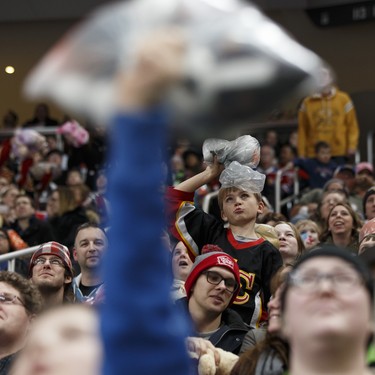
pixel 237 64
pixel 242 177
pixel 244 149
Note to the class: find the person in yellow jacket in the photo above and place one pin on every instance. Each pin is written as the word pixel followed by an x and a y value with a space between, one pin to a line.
pixel 329 116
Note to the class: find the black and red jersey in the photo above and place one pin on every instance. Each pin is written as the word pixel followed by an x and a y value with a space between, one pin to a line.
pixel 258 260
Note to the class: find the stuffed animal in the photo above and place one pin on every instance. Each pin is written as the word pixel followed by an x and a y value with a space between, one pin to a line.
pixel 207 366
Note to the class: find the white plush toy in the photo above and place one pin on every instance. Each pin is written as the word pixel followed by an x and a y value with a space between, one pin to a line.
pixel 207 366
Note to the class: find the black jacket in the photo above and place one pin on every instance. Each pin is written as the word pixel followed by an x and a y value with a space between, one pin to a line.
pixel 231 333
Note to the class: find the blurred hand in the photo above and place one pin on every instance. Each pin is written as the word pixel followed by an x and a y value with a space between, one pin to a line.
pixel 156 67
pixel 199 346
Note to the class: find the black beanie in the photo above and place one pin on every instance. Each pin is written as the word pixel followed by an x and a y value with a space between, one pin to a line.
pixel 333 251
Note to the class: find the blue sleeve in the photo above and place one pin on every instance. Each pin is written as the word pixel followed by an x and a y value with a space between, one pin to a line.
pixel 142 331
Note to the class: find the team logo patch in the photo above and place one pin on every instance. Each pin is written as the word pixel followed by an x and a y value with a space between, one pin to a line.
pixel 225 261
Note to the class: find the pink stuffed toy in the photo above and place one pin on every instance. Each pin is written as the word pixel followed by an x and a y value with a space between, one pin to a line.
pixel 75 134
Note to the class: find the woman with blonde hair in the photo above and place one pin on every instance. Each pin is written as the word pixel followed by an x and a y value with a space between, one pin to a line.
pixel 291 245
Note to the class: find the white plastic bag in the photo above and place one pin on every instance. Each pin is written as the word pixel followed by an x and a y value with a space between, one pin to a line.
pixel 238 62
pixel 244 149
pixel 242 177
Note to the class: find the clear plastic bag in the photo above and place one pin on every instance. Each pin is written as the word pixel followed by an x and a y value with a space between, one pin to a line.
pixel 244 149
pixel 237 64
pixel 242 177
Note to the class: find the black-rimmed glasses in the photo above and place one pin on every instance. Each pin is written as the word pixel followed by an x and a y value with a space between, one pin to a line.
pixel 215 278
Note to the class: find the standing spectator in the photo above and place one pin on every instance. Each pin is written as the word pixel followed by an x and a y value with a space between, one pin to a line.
pixel 20 301
pixel 211 287
pixel 257 258
pixel 90 246
pixel 10 120
pixel 329 116
pixel 41 117
pixel 51 271
pixel 320 168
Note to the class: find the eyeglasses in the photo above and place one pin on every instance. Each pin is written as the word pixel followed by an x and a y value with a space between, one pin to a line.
pixel 215 279
pixel 10 299
pixel 341 282
pixel 53 262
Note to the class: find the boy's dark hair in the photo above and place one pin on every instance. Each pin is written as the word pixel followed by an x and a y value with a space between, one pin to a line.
pixel 321 145
pixel 29 293
pixel 223 192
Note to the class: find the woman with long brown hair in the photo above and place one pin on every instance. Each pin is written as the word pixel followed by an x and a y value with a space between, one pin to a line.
pixel 342 227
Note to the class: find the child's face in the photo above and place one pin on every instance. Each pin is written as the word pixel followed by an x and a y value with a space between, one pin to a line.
pixel 240 207
pixel 324 155
pixel 310 236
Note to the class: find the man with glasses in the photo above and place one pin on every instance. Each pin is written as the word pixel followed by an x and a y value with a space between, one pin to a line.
pixel 51 271
pixel 211 287
pixel 20 301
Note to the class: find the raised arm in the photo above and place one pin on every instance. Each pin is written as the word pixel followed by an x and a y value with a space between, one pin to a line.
pixel 211 172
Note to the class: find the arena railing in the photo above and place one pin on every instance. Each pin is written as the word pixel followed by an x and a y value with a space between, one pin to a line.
pixel 11 257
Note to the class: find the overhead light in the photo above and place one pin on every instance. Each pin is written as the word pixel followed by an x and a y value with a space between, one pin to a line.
pixel 9 69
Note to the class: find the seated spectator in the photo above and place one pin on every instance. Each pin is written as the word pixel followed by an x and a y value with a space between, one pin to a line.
pixel 328 200
pixel 181 266
pixel 325 339
pixel 211 287
pixel 51 271
pixel 364 180
pixel 346 173
pixel 342 227
pixel 267 165
pixel 90 245
pixel 286 157
pixel 319 169
pixel 20 302
pixel 369 204
pixel 65 340
pixel 291 246
pixel 367 236
pixel 8 199
pixel 309 232
pixel 65 215
pixel 32 230
pixel 263 350
pixel 271 218
pixel 5 248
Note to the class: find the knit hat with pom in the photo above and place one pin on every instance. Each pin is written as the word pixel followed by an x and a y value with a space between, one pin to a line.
pixel 212 256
